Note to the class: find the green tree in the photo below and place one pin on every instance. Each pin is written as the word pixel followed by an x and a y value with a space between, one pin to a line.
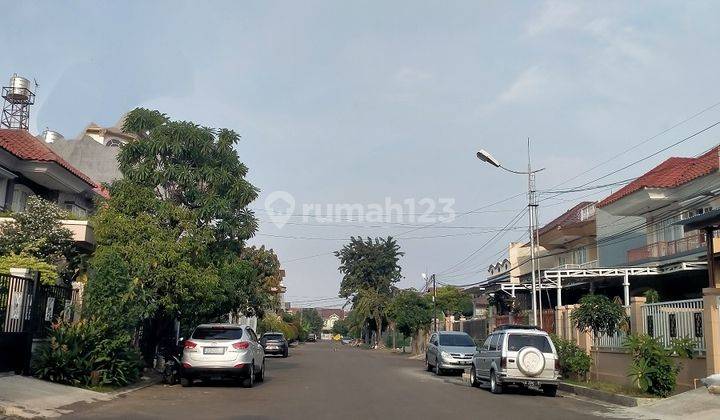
pixel 370 268
pixel 312 318
pixel 369 264
pixel 342 327
pixel 192 166
pixel 411 313
pixel 452 300
pixel 373 304
pixel 599 315
pixel 38 233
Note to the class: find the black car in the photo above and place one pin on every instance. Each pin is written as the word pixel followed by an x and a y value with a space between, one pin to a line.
pixel 275 343
pixel 312 338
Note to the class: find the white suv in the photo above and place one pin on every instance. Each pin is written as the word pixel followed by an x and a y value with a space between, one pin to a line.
pixel 518 355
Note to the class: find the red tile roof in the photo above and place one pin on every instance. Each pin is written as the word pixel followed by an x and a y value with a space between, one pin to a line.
pixel 570 217
pixel 672 173
pixel 326 313
pixel 25 146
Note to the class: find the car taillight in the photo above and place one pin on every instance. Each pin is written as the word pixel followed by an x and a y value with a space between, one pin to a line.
pixel 557 363
pixel 190 345
pixel 503 363
pixel 241 345
pixel 240 365
pixel 186 365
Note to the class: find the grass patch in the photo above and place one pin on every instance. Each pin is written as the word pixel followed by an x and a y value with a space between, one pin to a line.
pixel 612 388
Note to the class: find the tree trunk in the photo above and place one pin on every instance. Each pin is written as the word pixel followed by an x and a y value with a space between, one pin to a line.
pixel 378 337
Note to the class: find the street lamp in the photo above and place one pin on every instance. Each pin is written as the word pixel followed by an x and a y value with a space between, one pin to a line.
pixel 486 157
pixel 432 278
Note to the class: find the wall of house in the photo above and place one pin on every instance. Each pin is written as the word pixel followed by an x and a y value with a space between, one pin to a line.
pixel 613 242
pixel 613 366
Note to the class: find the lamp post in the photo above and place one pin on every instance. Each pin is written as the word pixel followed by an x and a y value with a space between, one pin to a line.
pixel 485 156
pixel 434 296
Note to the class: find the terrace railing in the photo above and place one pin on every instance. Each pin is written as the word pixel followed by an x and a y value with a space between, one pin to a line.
pixel 667 249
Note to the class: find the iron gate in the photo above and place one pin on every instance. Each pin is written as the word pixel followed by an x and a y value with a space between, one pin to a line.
pixel 27 308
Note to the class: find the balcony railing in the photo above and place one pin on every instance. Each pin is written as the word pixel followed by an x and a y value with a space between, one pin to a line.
pixel 667 249
pixel 589 264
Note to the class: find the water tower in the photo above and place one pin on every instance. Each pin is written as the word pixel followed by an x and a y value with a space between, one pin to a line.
pixel 18 98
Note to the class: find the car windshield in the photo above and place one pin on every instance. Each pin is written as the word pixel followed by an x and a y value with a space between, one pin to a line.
pixel 273 336
pixel 518 341
pixel 456 340
pixel 217 333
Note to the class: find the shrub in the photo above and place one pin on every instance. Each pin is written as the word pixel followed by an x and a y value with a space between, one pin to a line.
pixel 87 353
pixel 574 362
pixel 652 368
pixel 48 272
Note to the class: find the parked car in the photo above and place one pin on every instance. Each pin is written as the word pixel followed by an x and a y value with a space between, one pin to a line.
pixel 312 338
pixel 449 351
pixel 275 343
pixel 346 340
pixel 217 351
pixel 517 355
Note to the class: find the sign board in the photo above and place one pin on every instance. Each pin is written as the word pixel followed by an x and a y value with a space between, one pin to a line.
pixel 16 305
pixel 49 308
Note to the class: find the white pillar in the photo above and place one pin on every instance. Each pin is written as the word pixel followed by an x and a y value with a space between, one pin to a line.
pixel 626 290
pixel 558 289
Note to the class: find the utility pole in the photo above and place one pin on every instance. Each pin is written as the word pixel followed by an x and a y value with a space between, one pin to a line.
pixel 485 156
pixel 434 303
pixel 532 215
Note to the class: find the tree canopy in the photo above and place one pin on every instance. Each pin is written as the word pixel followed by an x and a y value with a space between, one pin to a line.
pixel 369 264
pixel 452 300
pixel 193 166
pixel 37 236
pixel 410 311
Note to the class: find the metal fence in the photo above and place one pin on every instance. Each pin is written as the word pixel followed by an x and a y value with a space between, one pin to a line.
pixel 614 341
pixel 677 319
pixel 27 309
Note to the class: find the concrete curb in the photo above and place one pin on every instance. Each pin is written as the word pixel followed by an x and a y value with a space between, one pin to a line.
pixel 154 380
pixel 604 396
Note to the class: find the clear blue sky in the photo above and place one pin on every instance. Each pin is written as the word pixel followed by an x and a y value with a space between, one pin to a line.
pixel 352 102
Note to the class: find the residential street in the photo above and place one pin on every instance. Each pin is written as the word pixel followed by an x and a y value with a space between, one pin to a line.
pixel 319 383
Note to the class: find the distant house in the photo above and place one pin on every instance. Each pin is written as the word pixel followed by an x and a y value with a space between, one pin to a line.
pixel 330 316
pixel 94 151
pixel 29 167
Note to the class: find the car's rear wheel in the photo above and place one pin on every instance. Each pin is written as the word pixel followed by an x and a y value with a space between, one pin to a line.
pixel 260 376
pixel 428 366
pixel 473 378
pixel 249 382
pixel 438 369
pixel 495 386
pixel 550 390
pixel 186 382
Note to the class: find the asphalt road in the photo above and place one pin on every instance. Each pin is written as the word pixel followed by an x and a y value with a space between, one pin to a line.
pixel 326 381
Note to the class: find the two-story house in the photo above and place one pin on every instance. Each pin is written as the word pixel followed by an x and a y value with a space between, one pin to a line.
pixel 28 167
pixel 637 225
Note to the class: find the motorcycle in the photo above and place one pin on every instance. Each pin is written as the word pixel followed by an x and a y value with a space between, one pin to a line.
pixel 167 364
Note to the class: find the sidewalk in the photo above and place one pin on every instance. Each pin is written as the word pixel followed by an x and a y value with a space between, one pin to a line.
pixel 28 397
pixel 697 404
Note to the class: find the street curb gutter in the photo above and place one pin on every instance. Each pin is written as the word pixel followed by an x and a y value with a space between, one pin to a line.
pixel 136 387
pixel 604 396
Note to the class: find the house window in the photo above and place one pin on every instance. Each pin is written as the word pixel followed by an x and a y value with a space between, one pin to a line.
pixel 114 143
pixel 580 255
pixel 20 196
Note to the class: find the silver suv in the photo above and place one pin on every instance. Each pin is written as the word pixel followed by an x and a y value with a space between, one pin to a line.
pixel 217 351
pixel 449 350
pixel 517 355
